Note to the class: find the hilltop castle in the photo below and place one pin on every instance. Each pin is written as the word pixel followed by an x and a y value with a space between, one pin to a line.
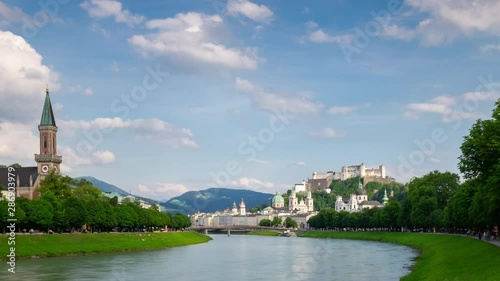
pixel 27 179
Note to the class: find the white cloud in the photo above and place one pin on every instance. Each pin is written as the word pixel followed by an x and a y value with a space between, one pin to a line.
pixel 277 102
pixel 255 12
pixel 115 67
pixel 89 92
pixel 296 164
pixel 23 79
pixel 327 133
pixel 447 20
pixel 11 14
pixel 259 161
pixel 257 185
pixel 161 191
pixel 81 90
pixel 434 160
pixel 463 106
pixel 334 110
pixel 191 41
pixel 73 159
pixel 490 48
pixel 18 143
pixel 319 36
pixel 142 130
pixel 111 8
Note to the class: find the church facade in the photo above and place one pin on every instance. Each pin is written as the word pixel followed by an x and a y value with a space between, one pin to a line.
pixel 358 202
pixel 27 179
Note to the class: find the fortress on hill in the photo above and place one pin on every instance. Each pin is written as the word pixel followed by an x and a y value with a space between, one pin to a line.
pixel 322 181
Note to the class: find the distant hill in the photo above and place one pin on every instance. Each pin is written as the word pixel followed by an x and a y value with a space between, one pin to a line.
pixel 214 199
pixel 104 186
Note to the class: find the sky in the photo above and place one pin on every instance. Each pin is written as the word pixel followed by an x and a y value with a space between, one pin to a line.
pixel 163 97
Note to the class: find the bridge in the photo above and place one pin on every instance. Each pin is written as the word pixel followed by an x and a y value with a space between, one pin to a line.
pixel 234 228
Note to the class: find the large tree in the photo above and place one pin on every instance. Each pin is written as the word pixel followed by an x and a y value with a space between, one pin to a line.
pixel 480 160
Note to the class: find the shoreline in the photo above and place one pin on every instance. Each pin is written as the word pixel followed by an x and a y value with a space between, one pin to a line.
pixel 441 257
pixel 57 245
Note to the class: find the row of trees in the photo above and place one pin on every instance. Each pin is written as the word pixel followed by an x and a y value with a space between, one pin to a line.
pixel 439 200
pixel 69 204
pixel 289 222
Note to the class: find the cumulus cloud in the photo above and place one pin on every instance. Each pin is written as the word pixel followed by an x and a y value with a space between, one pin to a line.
pixel 154 130
pixel 23 79
pixel 327 133
pixel 274 102
pixel 257 184
pixel 18 143
pixel 191 41
pixel 162 191
pixel 319 36
pixel 255 12
pixel 335 110
pixel 444 21
pixel 101 9
pixel 450 107
pixel 93 157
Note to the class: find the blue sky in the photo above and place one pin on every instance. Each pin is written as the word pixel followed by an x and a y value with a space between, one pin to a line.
pixel 162 97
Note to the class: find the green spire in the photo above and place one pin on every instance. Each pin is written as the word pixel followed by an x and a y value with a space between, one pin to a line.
pixel 47 113
pixel 385 199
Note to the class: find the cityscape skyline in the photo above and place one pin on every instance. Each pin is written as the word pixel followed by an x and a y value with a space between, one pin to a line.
pixel 163 97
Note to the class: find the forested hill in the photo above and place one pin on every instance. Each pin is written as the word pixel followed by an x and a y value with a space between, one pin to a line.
pixel 214 199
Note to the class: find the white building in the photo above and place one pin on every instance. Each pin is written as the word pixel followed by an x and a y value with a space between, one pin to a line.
pixel 348 172
pixel 356 202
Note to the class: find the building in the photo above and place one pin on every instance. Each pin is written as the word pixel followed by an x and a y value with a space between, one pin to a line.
pixel 322 181
pixel 356 202
pixel 234 216
pixel 27 179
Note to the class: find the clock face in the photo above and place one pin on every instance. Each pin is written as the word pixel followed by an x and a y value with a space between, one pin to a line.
pixel 45 168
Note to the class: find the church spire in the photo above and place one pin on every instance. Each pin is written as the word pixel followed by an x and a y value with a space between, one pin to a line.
pixel 47 113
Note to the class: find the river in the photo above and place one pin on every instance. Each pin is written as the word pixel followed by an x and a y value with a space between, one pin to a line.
pixel 239 257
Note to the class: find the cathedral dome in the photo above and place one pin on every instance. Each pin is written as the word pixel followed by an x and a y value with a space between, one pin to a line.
pixel 361 191
pixel 278 198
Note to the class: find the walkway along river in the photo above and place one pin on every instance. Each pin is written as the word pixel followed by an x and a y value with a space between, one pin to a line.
pixel 235 258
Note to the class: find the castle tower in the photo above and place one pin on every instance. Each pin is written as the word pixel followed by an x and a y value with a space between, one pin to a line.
pixel 243 211
pixel 48 159
pixel 309 201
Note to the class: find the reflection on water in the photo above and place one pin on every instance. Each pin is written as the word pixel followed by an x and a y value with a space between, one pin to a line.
pixel 238 257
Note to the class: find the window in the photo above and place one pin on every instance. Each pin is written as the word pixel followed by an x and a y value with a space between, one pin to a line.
pixel 44 141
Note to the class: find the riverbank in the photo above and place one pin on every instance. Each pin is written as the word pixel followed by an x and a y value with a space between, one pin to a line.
pixel 442 257
pixel 34 246
pixel 264 232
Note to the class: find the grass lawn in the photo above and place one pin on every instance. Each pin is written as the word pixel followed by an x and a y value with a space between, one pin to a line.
pixel 264 232
pixel 28 246
pixel 442 257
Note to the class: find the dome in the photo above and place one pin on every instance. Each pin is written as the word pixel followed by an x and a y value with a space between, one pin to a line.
pixel 361 191
pixel 278 198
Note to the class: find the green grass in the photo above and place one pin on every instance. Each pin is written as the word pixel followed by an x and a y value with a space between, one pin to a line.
pixel 28 246
pixel 442 257
pixel 264 232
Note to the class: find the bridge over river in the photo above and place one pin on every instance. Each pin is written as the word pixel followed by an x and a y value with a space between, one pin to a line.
pixel 233 228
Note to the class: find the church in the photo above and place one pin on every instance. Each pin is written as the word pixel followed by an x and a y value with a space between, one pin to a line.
pixel 359 201
pixel 27 179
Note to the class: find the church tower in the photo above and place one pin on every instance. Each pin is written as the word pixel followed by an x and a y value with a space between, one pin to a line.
pixel 48 159
pixel 309 201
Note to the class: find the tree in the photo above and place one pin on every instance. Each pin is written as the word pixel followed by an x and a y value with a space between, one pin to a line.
pixel 290 223
pixel 265 222
pixel 480 161
pixel 15 165
pixel 57 184
pixel 276 221
pixel 76 212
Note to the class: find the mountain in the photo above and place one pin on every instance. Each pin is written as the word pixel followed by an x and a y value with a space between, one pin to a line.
pixel 214 199
pixel 104 186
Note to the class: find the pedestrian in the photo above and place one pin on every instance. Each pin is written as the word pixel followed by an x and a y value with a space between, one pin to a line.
pixel 480 234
